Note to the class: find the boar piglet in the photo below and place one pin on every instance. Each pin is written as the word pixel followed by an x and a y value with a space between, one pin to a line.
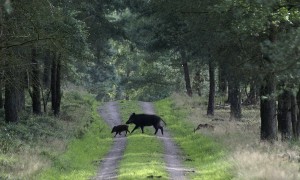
pixel 207 126
pixel 141 120
pixel 118 129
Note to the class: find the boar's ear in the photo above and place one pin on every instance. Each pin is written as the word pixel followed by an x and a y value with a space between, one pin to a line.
pixel 133 114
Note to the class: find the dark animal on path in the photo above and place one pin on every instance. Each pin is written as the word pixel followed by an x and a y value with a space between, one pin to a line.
pixel 118 129
pixel 141 120
pixel 207 126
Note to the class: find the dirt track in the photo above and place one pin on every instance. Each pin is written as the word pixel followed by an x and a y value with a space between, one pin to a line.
pixel 109 165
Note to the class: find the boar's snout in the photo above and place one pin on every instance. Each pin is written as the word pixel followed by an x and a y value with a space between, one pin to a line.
pixel 128 122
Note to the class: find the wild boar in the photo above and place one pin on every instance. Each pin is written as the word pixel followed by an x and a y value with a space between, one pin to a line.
pixel 141 120
pixel 208 126
pixel 118 129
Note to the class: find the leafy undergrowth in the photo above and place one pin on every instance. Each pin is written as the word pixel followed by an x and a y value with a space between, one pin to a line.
pixel 81 159
pixel 143 156
pixel 203 154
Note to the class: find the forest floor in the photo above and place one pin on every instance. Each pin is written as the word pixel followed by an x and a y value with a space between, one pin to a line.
pixel 109 165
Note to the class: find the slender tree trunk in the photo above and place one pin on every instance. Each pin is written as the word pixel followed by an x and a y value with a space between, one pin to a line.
pixel 197 83
pixel 298 113
pixel 212 90
pixel 35 83
pixel 268 109
pixel 222 81
pixel 235 100
pixel 284 115
pixel 186 74
pixel 1 91
pixel 294 114
pixel 55 84
pixel 46 79
pixel 10 104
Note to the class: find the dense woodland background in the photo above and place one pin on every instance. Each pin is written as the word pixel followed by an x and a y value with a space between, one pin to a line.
pixel 244 51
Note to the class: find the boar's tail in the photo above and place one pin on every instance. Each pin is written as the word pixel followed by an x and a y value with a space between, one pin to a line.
pixel 163 121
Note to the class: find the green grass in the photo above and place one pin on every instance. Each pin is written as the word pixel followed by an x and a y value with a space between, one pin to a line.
pixel 203 154
pixel 143 156
pixel 81 160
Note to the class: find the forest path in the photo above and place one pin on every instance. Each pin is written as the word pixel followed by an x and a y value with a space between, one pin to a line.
pixel 109 164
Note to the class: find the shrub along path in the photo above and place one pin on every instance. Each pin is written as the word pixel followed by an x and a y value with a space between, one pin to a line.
pixel 109 165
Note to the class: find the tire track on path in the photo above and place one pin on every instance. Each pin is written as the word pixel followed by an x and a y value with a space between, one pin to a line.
pixel 172 154
pixel 109 164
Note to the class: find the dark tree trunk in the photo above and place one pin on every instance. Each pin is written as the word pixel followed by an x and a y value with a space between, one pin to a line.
pixel 197 84
pixel 222 81
pixel 252 98
pixel 212 90
pixel 55 84
pixel 298 113
pixel 46 79
pixel 294 114
pixel 186 75
pixel 235 100
pixel 1 92
pixel 10 104
pixel 284 115
pixel 268 109
pixel 35 83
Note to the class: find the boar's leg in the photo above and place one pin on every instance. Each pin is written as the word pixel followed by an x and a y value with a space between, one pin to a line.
pixel 156 128
pixel 116 134
pixel 162 130
pixel 134 128
pixel 142 127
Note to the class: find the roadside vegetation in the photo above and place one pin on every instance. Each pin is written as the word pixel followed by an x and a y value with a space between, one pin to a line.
pixel 246 155
pixel 67 144
pixel 207 158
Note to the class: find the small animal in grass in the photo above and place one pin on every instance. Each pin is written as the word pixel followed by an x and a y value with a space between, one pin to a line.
pixel 141 120
pixel 206 126
pixel 118 129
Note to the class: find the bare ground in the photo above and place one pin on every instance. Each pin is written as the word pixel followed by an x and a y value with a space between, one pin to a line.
pixel 109 165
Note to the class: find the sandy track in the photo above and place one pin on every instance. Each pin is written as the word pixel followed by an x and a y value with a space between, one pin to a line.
pixel 172 154
pixel 109 165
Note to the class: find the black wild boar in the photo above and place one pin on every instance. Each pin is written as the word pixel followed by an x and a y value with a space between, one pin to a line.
pixel 118 129
pixel 141 120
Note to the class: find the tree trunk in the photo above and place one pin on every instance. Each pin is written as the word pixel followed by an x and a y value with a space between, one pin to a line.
pixel 10 104
pixel 46 79
pixel 222 81
pixel 298 113
pixel 35 83
pixel 268 109
pixel 212 91
pixel 294 114
pixel 197 83
pixel 235 100
pixel 284 115
pixel 55 84
pixel 186 75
